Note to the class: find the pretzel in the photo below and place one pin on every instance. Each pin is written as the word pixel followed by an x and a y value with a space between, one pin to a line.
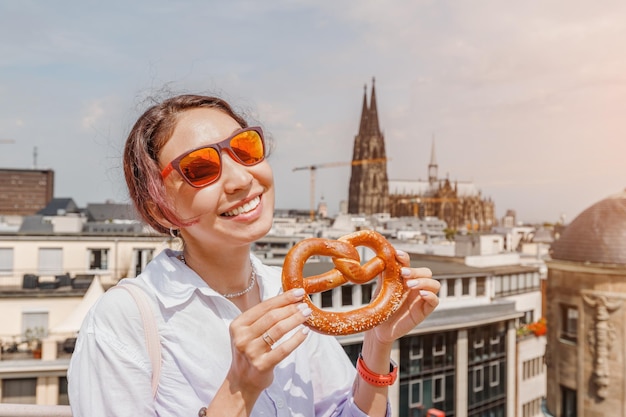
pixel 348 267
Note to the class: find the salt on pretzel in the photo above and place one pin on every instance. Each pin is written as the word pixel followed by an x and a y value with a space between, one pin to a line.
pixel 348 267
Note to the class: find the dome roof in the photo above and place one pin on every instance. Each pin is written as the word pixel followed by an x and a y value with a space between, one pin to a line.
pixel 597 235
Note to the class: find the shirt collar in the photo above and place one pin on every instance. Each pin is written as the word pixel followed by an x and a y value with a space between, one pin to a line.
pixel 174 283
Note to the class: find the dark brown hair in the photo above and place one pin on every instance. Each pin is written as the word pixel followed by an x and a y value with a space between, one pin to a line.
pixel 145 140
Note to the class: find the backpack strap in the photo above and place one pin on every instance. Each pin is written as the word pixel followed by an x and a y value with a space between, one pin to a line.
pixel 151 331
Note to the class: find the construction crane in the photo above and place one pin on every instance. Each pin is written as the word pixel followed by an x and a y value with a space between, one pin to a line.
pixel 313 168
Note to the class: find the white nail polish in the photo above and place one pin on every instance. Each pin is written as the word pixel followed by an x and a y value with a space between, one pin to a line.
pixel 412 283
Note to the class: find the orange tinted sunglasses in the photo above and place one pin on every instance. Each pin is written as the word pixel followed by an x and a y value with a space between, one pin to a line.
pixel 203 166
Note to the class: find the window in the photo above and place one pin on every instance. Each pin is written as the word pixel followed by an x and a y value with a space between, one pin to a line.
pixel 6 261
pixel 451 289
pixel 366 293
pixel 494 374
pixel 529 281
pixel 569 323
pixel 50 261
pixel 439 392
pixel 415 393
pixel 532 408
pixel 98 259
pixel 494 339
pixel 479 340
pixel 477 384
pixel 35 322
pixel 528 317
pixel 19 390
pixel 416 355
pixel 505 284
pixel 568 402
pixel 480 286
pixel 498 285
pixel 439 346
pixel 141 259
pixel 465 289
pixel 536 279
pixel 327 299
pixel 63 396
pixel 346 295
pixel 416 351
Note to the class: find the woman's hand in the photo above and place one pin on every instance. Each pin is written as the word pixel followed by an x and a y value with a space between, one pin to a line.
pixel 419 302
pixel 254 335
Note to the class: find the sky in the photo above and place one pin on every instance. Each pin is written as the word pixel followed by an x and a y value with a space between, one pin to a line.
pixel 525 99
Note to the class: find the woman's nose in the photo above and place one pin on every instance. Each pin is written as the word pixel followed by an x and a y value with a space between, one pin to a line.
pixel 235 176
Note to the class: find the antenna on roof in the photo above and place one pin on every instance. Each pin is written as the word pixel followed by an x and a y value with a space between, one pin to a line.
pixel 35 157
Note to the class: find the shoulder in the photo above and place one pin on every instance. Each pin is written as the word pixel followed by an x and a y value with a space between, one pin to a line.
pixel 115 315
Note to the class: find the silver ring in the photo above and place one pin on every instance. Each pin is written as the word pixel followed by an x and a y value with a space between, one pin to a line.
pixel 268 339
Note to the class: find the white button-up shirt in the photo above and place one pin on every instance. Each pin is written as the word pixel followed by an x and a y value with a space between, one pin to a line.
pixel 110 371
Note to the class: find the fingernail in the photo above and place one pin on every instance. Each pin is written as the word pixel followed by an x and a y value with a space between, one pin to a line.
pixel 423 293
pixel 405 272
pixel 402 253
pixel 298 292
pixel 305 309
pixel 305 330
pixel 412 283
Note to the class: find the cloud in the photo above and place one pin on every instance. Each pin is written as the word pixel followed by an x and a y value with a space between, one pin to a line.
pixel 528 93
pixel 93 113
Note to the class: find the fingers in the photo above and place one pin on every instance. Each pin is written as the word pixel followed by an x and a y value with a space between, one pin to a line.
pixel 419 279
pixel 277 323
pixel 403 258
pixel 285 299
pixel 431 301
pixel 423 288
pixel 258 330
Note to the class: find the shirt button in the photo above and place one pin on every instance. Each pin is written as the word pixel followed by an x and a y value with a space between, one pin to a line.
pixel 280 403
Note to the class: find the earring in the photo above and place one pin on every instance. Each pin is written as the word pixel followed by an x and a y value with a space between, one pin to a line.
pixel 174 232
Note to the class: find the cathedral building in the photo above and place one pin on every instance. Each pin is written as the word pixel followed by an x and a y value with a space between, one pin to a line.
pixel 460 204
pixel 369 186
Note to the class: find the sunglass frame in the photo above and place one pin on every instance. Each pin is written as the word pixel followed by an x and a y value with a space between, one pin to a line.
pixel 174 165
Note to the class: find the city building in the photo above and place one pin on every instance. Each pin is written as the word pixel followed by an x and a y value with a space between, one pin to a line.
pixel 586 289
pixel 52 268
pixel 460 203
pixel 25 191
pixel 472 356
pixel 467 359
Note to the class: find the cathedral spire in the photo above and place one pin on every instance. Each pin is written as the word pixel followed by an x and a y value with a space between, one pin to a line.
pixel 364 112
pixel 373 113
pixel 432 166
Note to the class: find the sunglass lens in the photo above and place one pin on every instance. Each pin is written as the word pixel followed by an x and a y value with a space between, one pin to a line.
pixel 201 167
pixel 248 147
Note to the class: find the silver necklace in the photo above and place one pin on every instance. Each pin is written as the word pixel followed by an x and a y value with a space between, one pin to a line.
pixel 234 294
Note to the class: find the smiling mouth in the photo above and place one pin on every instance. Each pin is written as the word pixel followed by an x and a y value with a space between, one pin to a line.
pixel 249 206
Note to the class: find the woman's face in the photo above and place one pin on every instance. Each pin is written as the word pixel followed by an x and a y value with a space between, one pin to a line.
pixel 235 210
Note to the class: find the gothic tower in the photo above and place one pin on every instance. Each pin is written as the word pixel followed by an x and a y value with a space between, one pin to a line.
pixel 432 166
pixel 369 185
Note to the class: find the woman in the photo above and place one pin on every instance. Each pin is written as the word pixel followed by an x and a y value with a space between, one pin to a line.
pixel 233 344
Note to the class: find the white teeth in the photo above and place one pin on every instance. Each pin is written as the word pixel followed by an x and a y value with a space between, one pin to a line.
pixel 249 206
